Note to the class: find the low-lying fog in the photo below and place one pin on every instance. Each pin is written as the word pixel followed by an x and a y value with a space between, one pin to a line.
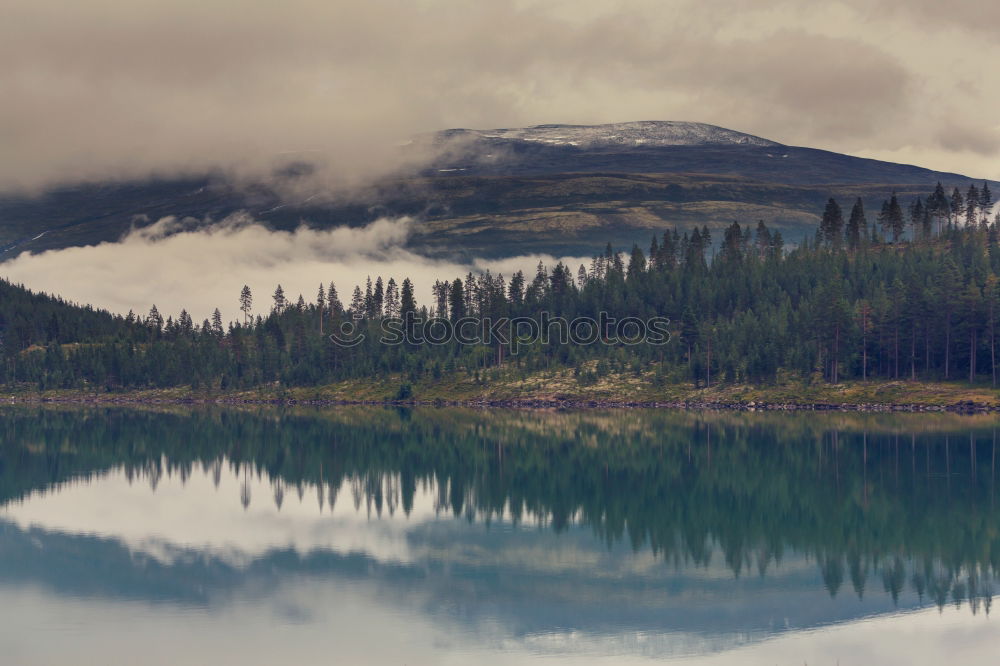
pixel 174 266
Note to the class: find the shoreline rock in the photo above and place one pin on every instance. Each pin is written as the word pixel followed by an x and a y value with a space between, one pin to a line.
pixel 961 407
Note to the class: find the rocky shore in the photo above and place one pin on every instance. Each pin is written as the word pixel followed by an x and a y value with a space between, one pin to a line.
pixel 962 407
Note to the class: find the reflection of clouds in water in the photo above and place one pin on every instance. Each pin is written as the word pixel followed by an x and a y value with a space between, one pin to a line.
pixel 177 264
pixel 166 515
pixel 178 514
pixel 434 587
pixel 314 620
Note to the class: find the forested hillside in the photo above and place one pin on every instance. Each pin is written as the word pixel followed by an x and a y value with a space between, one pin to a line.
pixel 909 293
pixel 28 319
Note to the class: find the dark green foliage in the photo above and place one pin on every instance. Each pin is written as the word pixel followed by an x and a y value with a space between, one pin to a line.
pixel 848 307
pixel 857 226
pixel 832 224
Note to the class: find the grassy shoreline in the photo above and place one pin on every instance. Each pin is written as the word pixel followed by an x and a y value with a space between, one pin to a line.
pixel 560 388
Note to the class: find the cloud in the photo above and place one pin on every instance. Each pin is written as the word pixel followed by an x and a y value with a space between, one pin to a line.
pixel 937 17
pixel 979 140
pixel 796 84
pixel 103 89
pixel 197 265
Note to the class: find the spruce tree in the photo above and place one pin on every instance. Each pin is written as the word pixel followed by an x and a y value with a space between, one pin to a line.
pixel 407 302
pixel 280 302
pixel 391 299
pixel 321 305
pixel 985 203
pixel 971 206
pixel 883 220
pixel 246 303
pixel 832 224
pixel 335 307
pixel 762 239
pixel 456 300
pixel 515 290
pixel 154 320
pixel 957 206
pixel 358 306
pixel 938 204
pixel 369 310
pixel 857 226
pixel 917 217
pixel 378 298
pixel 636 263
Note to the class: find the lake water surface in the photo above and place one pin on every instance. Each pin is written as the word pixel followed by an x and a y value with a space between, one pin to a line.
pixel 454 536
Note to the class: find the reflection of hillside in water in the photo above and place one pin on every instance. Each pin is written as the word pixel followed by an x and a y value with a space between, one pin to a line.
pixel 719 522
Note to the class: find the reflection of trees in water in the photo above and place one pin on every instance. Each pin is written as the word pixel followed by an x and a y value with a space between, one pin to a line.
pixel 889 501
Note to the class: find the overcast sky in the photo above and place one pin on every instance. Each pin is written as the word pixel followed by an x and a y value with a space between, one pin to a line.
pixel 104 88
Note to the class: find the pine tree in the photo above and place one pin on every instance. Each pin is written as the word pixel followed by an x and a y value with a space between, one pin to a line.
pixel 895 218
pixel 334 305
pixel 441 290
pixel 863 317
pixel 985 202
pixel 689 334
pixel 470 293
pixel 694 254
pixel 777 244
pixel 636 263
pixel 971 206
pixel 971 300
pixel 280 303
pixel 154 320
pixel 536 291
pixel 832 224
pixel 369 310
pixel 947 286
pixel 857 226
pixel 358 308
pixel 883 220
pixel 407 302
pixel 217 323
pixel 762 240
pixel 938 204
pixel 515 290
pixel 378 298
pixel 246 303
pixel 321 305
pixel 391 299
pixel 917 217
pixel 456 300
pixel 185 323
pixel 957 206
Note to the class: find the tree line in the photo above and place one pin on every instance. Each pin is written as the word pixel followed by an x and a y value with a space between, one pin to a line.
pixel 906 295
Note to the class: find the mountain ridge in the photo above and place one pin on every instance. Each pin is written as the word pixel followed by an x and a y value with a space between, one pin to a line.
pixel 556 189
pixel 652 133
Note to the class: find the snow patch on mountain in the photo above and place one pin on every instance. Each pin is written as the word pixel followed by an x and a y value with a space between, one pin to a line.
pixel 643 133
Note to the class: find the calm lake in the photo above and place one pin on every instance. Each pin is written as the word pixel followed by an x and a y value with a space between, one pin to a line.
pixel 456 536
